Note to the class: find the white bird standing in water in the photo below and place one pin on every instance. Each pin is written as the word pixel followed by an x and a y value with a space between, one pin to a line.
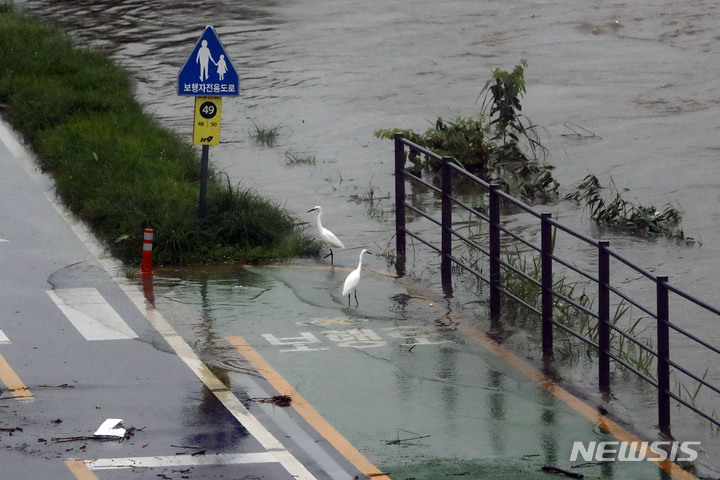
pixel 326 235
pixel 352 280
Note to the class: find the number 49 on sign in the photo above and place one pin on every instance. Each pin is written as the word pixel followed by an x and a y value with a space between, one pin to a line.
pixel 206 129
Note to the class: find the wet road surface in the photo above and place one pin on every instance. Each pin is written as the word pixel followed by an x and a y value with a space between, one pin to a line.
pixel 81 345
pixel 626 91
pixel 200 363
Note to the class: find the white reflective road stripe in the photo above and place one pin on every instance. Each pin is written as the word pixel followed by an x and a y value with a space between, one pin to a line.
pixel 91 314
pixel 4 338
pixel 117 272
pixel 181 461
pixel 7 137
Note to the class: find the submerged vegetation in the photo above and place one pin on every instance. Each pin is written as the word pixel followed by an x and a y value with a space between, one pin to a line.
pixel 625 215
pixel 117 168
pixel 264 135
pixel 502 147
pixel 499 145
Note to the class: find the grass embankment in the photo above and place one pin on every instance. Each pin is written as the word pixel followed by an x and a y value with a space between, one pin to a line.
pixel 117 168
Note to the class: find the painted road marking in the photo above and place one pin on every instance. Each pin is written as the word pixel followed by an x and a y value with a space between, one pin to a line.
pixel 568 398
pixel 176 461
pixel 7 137
pixel 3 338
pixel 359 338
pixel 13 382
pixel 91 314
pixel 306 410
pixel 116 271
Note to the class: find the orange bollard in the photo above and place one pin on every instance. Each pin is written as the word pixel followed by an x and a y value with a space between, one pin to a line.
pixel 147 282
pixel 146 266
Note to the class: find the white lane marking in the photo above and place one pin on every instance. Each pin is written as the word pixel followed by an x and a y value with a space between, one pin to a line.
pixel 4 338
pixel 117 272
pixel 181 461
pixel 91 314
pixel 8 138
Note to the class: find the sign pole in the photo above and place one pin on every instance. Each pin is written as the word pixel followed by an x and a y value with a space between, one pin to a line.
pixel 208 75
pixel 204 162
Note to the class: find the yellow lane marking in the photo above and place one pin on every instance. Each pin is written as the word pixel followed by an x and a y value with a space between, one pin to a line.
pixel 80 469
pixel 13 382
pixel 306 410
pixel 578 405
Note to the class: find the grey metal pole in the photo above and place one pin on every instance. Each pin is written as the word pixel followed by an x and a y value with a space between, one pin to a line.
pixel 204 167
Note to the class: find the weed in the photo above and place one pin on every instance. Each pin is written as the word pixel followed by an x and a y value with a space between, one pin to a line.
pixel 691 395
pixel 499 144
pixel 504 91
pixel 293 158
pixel 265 136
pixel 371 196
pixel 625 215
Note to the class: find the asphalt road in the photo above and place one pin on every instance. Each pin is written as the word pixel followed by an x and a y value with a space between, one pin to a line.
pixel 79 347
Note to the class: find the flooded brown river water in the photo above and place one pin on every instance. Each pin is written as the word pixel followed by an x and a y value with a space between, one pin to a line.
pixel 628 91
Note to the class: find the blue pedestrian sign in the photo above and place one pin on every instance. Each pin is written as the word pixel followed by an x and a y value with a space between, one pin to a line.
pixel 208 71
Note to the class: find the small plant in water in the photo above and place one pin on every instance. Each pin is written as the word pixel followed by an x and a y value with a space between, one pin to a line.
pixel 499 144
pixel 625 215
pixel 266 136
pixel 293 157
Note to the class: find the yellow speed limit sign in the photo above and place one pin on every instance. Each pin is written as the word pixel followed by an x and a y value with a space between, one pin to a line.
pixel 206 129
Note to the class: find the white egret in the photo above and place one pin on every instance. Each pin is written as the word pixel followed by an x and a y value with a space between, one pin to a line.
pixel 326 235
pixel 352 280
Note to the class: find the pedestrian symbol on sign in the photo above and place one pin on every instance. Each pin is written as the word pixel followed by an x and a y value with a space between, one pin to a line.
pixel 203 56
pixel 208 70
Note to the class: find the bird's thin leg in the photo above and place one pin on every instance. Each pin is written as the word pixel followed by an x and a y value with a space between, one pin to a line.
pixel 356 302
pixel 330 254
pixel 348 299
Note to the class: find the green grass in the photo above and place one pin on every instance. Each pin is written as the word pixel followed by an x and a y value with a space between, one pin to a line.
pixel 265 136
pixel 117 168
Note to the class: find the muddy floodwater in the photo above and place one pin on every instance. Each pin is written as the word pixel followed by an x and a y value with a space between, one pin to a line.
pixel 628 91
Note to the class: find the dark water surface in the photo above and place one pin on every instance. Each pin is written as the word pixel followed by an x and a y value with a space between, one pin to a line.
pixel 628 91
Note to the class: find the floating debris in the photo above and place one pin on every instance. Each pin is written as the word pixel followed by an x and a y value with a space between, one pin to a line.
pixel 399 440
pixel 279 400
pixel 560 471
pixel 11 430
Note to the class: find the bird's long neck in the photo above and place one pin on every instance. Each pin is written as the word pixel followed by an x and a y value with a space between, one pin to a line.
pixel 359 267
pixel 318 220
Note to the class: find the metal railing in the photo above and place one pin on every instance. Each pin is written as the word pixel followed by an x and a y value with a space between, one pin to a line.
pixel 490 246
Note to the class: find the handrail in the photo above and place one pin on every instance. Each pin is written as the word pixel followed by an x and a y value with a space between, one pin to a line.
pixel 491 249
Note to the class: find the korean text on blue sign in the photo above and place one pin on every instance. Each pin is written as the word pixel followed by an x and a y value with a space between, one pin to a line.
pixel 208 70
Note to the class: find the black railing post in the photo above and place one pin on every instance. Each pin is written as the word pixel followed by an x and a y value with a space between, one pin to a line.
pixel 446 235
pixel 400 244
pixel 546 250
pixel 663 355
pixel 495 287
pixel 604 315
